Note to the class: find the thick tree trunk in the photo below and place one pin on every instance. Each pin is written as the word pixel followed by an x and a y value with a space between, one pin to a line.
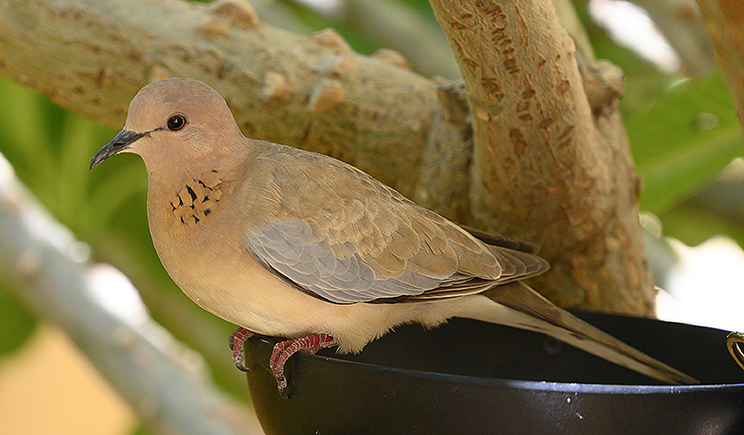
pixel 547 164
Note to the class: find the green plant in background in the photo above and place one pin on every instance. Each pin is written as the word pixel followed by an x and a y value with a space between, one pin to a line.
pixel 682 132
pixel 683 141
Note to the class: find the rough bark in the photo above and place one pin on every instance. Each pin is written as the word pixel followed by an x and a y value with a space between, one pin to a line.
pixel 314 92
pixel 724 20
pixel 547 165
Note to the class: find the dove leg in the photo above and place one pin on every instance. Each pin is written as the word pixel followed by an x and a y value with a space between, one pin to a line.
pixel 237 338
pixel 285 349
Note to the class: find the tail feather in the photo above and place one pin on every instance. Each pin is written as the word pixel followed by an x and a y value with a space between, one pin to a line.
pixel 521 306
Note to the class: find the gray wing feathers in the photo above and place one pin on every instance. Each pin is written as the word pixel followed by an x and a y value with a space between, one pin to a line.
pixel 296 254
pixel 291 250
pixel 515 265
pixel 345 237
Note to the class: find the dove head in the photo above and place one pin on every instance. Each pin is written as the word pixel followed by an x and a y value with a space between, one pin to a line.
pixel 176 123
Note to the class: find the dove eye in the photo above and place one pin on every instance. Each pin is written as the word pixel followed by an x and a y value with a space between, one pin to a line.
pixel 176 122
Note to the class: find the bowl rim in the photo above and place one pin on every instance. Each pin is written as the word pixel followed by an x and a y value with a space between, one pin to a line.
pixel 551 386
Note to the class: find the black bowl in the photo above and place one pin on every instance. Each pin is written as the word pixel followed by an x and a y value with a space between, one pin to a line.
pixel 469 377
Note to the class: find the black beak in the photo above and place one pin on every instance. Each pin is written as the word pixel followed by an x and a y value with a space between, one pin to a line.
pixel 123 140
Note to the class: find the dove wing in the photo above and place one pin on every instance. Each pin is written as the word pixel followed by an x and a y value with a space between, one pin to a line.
pixel 337 233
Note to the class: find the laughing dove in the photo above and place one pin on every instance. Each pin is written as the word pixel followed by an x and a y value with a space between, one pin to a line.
pixel 293 244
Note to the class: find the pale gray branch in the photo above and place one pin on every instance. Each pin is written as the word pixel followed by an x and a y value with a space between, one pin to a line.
pixel 154 373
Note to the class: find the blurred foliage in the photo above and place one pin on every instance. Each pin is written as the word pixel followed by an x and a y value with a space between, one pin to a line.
pixel 141 431
pixel 683 140
pixel 315 22
pixel 695 223
pixel 681 136
pixel 644 82
pixel 16 323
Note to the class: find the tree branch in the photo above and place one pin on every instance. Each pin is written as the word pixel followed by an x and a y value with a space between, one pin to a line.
pixel 138 357
pixel 92 56
pixel 548 163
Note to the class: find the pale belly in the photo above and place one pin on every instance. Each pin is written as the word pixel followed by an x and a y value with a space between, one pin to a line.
pixel 222 277
pixel 239 290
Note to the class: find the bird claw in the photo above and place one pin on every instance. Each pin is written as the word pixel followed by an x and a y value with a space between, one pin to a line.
pixel 283 350
pixel 236 341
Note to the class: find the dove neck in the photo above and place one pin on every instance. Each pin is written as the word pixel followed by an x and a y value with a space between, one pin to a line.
pixel 178 169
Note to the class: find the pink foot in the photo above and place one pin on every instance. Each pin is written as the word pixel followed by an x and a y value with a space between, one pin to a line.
pixel 237 338
pixel 285 349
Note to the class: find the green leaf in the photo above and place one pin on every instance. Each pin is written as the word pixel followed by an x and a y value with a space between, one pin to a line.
pixel 693 223
pixel 683 140
pixel 24 134
pixel 16 324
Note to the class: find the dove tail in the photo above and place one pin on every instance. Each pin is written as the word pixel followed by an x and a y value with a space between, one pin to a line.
pixel 518 305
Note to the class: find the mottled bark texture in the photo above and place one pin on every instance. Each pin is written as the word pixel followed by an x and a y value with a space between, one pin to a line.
pixel 548 164
pixel 518 149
